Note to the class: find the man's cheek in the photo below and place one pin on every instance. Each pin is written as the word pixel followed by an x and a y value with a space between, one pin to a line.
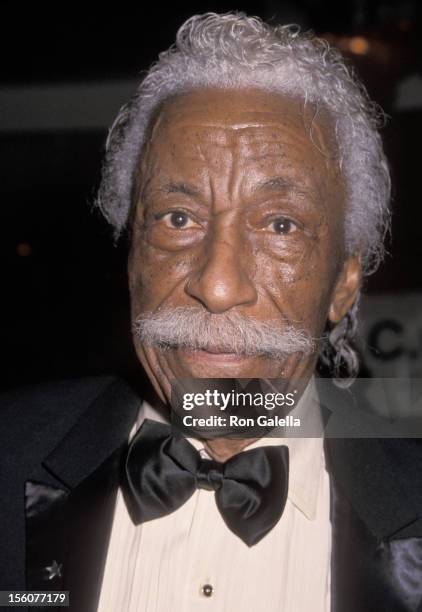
pixel 286 271
pixel 153 286
pixel 313 309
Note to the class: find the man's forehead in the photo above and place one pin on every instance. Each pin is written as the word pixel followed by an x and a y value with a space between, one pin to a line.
pixel 227 118
pixel 227 112
pixel 227 100
pixel 211 144
pixel 254 133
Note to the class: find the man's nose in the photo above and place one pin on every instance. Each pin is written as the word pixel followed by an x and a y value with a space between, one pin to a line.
pixel 222 282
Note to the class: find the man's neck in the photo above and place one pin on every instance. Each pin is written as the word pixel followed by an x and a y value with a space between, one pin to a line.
pixel 222 449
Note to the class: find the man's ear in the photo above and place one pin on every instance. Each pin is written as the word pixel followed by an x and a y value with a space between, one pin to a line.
pixel 346 288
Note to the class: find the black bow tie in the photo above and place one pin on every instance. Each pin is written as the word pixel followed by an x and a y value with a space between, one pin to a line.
pixel 163 470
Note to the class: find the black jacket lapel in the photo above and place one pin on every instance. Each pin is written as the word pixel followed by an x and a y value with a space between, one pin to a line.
pixel 68 523
pixel 46 544
pixel 376 562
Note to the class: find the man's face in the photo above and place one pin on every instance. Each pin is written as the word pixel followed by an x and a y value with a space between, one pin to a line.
pixel 239 209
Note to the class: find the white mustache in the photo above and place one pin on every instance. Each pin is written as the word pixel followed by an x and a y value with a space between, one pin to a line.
pixel 196 329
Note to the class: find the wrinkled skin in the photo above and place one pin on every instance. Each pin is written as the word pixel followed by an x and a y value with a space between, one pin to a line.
pixel 239 206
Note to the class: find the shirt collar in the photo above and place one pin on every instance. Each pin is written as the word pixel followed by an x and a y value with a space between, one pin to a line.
pixel 306 455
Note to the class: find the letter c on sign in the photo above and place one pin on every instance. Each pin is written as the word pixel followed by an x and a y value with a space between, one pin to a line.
pixel 375 340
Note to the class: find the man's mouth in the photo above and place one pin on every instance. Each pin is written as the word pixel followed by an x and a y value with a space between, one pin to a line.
pixel 217 350
pixel 212 354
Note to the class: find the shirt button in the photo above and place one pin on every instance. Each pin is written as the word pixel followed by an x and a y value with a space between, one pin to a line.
pixel 207 590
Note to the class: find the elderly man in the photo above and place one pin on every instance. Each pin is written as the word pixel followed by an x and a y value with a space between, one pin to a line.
pixel 249 175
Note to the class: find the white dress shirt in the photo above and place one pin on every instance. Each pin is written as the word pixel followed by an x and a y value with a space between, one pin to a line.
pixel 189 561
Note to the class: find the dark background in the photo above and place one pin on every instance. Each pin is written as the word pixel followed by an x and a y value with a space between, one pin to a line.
pixel 66 69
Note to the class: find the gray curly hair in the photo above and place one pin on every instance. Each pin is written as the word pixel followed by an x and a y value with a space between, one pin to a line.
pixel 235 51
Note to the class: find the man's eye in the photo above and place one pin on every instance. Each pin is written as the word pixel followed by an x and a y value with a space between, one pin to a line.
pixel 283 226
pixel 178 219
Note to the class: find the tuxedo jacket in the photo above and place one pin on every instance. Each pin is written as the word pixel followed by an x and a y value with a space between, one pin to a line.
pixel 61 451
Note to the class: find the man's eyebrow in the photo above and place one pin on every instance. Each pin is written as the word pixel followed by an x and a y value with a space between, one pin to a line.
pixel 184 188
pixel 278 183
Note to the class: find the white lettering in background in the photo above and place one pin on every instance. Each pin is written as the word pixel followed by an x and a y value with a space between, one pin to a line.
pixel 392 335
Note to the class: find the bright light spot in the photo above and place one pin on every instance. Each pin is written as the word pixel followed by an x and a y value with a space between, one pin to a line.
pixel 359 45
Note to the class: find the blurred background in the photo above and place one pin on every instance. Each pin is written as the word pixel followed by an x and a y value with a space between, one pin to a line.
pixel 66 70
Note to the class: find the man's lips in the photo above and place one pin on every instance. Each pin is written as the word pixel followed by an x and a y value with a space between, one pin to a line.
pixel 212 355
pixel 215 350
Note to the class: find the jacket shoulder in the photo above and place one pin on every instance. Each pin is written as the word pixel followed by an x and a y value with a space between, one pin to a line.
pixel 406 455
pixel 37 415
